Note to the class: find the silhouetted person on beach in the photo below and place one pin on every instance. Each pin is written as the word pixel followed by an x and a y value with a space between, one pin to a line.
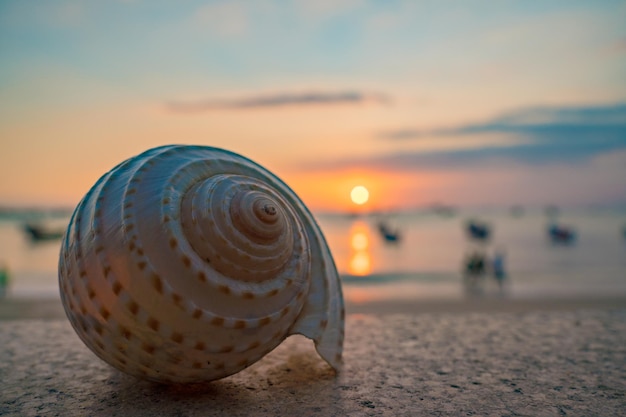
pixel 497 265
pixel 475 266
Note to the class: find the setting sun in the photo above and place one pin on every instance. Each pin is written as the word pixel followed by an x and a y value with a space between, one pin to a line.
pixel 359 195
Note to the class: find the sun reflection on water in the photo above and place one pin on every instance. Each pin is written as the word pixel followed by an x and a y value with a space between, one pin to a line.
pixel 360 257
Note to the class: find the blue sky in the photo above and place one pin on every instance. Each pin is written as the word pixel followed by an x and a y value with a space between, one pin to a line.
pixel 351 89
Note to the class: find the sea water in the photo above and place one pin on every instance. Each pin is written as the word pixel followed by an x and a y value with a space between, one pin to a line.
pixel 427 261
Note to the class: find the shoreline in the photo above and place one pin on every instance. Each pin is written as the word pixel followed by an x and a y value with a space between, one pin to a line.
pixel 51 308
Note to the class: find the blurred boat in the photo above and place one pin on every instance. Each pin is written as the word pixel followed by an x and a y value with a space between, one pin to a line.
pixel 387 233
pixel 40 232
pixel 561 234
pixel 478 230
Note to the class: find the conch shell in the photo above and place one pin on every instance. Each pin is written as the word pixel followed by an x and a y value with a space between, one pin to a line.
pixel 190 263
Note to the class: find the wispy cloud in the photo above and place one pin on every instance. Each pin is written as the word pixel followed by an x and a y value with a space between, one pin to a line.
pixel 530 137
pixel 279 100
pixel 548 134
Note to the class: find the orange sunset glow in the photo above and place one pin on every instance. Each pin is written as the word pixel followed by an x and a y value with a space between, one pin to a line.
pixel 404 98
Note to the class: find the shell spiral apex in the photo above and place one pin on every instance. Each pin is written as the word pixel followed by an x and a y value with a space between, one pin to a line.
pixel 190 263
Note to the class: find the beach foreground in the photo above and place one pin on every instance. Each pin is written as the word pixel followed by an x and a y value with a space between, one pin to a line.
pixel 535 362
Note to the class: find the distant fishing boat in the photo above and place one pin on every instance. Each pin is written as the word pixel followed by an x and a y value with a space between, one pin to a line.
pixel 477 230
pixel 389 234
pixel 561 234
pixel 39 232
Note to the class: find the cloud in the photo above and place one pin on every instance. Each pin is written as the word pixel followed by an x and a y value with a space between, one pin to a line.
pixel 540 134
pixel 278 100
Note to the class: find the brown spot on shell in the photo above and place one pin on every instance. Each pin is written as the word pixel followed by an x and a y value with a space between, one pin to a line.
pixel 200 346
pixel 218 321
pixel 83 273
pixel 133 307
pixel 323 323
pixel 142 265
pixel 98 328
pixel 219 365
pixel 265 321
pixel 173 242
pixel 272 293
pixel 117 288
pixel 131 191
pixel 153 324
pixel 99 249
pixel 196 365
pixel 124 332
pixel 177 299
pixel 104 313
pixel 225 289
pixel 197 313
pixel 248 295
pixel 243 362
pixel 254 345
pixel 284 311
pixel 106 270
pixel 131 246
pixel 148 348
pixel 177 337
pixel 166 200
pixel 157 283
pixel 227 349
pixel 202 276
pixel 129 227
pixel 240 324
pixel 186 261
pixel 166 218
pixel 90 292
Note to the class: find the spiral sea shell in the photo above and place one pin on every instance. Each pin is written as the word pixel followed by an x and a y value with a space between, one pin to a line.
pixel 190 263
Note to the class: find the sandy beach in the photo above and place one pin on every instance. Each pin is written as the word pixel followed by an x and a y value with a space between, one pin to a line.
pixel 487 356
